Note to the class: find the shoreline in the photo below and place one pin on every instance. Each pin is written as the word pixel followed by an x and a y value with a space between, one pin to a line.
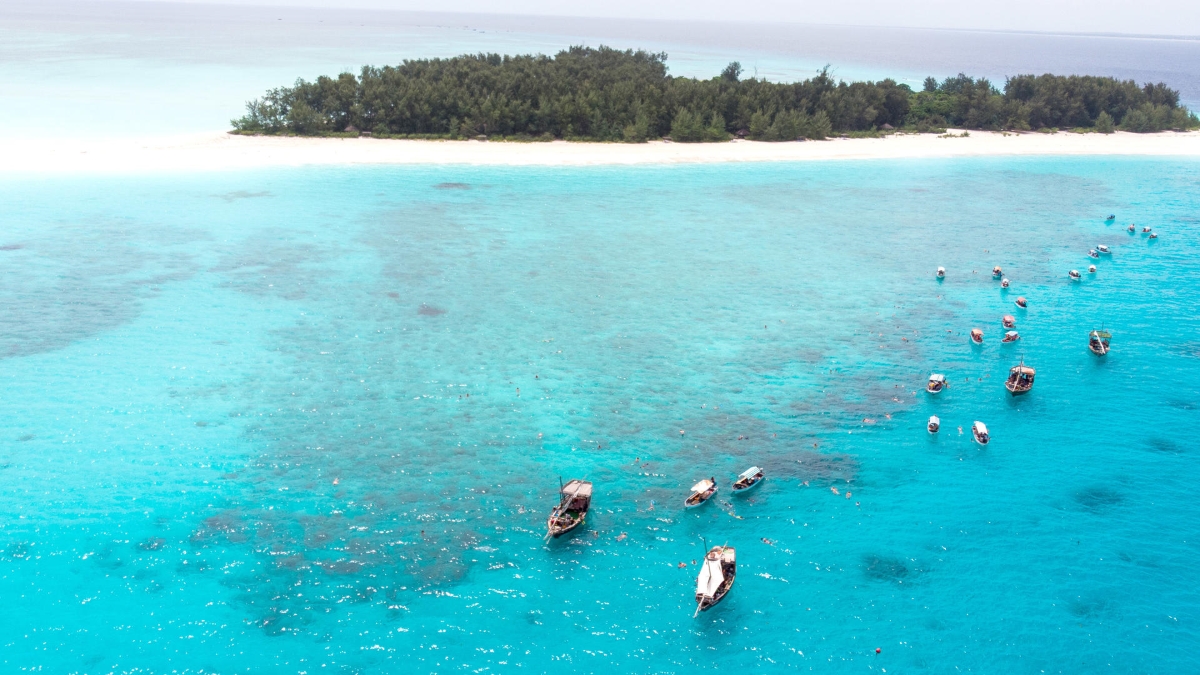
pixel 220 151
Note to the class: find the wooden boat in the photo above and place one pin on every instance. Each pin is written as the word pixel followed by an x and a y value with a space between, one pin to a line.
pixel 1093 253
pixel 1074 275
pixel 574 500
pixel 937 382
pixel 1008 321
pixel 941 273
pixel 1020 380
pixel 1098 341
pixel 1154 235
pixel 980 432
pixel 976 336
pixel 1022 302
pixel 1004 283
pixel 700 493
pixel 716 577
pixel 1091 269
pixel 1101 248
pixel 1011 336
pixel 748 479
pixel 1146 230
pixel 997 272
pixel 1131 228
pixel 1111 217
pixel 934 424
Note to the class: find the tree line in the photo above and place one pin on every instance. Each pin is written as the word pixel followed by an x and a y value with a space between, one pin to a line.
pixel 604 94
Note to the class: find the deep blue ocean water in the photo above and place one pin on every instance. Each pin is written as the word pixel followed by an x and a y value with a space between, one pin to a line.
pixel 312 420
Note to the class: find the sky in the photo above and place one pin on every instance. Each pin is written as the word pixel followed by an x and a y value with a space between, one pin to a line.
pixel 1149 17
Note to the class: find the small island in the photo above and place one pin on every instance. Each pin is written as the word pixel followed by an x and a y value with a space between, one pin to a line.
pixel 606 95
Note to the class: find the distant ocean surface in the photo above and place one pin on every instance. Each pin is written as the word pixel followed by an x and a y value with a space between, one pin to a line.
pixel 137 68
pixel 312 420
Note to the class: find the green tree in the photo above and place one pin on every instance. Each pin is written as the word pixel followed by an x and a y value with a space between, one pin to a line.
pixel 687 127
pixel 1104 123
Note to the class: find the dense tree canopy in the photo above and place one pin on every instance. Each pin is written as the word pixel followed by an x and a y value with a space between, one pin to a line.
pixel 608 94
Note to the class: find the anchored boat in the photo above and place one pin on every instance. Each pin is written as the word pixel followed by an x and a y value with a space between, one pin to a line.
pixel 937 382
pixel 980 432
pixel 1004 283
pixel 700 493
pixel 976 336
pixel 1008 321
pixel 716 577
pixel 1022 302
pixel 1074 275
pixel 941 273
pixel 1098 341
pixel 1103 249
pixel 1020 379
pixel 748 479
pixel 1011 336
pixel 574 500
pixel 997 272
pixel 934 424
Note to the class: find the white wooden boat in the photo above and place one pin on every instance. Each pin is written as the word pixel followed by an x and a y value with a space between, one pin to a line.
pixel 1004 283
pixel 941 273
pixel 1103 249
pixel 980 432
pixel 1011 336
pixel 1022 302
pixel 716 577
pixel 749 478
pixel 976 336
pixel 701 492
pixel 1091 269
pixel 1074 275
pixel 934 424
pixel 1008 321
pixel 997 272
pixel 937 382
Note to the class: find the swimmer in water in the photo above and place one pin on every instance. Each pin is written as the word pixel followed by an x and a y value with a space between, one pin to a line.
pixel 682 565
pixel 768 542
pixel 960 430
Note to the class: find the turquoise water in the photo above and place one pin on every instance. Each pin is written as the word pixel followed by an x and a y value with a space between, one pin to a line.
pixel 270 421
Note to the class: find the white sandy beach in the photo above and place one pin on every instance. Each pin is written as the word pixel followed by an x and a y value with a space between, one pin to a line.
pixel 217 151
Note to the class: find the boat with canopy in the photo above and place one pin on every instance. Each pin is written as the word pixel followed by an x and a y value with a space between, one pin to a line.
pixel 1022 302
pixel 980 432
pixel 941 272
pixel 716 577
pixel 934 424
pixel 1011 336
pixel 700 493
pixel 1004 283
pixel 748 479
pixel 997 272
pixel 1020 379
pixel 574 500
pixel 976 336
pixel 1098 341
pixel 937 382
pixel 1074 275
pixel 1009 321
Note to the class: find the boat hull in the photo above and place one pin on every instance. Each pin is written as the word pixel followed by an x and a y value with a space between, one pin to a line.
pixel 749 487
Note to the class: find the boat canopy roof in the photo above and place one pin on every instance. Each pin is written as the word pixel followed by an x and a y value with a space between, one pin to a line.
pixel 710 579
pixel 1009 318
pixel 934 418
pixel 976 331
pixel 580 488
pixel 980 427
pixel 702 486
pixel 750 473
pixel 1025 370
pixel 937 377
pixel 1102 334
pixel 1011 333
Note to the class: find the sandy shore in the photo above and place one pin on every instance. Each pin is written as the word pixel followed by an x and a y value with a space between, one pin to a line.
pixel 220 151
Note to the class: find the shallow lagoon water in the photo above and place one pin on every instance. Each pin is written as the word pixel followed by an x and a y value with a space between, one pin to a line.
pixel 270 421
